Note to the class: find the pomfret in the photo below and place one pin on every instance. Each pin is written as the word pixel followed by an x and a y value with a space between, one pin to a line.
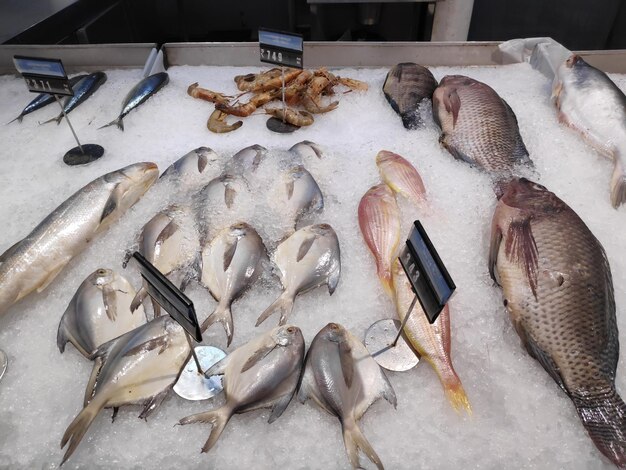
pixel 194 167
pixel 83 89
pixel 246 161
pixel 33 262
pixel 98 312
pixel 307 259
pixel 230 264
pixel 342 379
pixel 591 103
pixel 262 373
pixel 558 290
pixel 298 194
pixel 306 149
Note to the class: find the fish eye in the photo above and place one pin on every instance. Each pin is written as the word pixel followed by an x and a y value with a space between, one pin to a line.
pixel 333 326
pixel 101 272
pixel 291 329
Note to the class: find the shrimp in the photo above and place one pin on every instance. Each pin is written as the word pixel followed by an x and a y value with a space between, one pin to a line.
pixel 217 123
pixel 295 91
pixel 276 82
pixel 353 84
pixel 252 80
pixel 292 116
pixel 313 107
pixel 246 109
pixel 207 95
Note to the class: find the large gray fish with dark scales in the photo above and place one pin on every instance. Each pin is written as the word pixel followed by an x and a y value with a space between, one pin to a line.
pixel 145 89
pixel 262 373
pixel 558 291
pixel 344 380
pixel 589 102
pixel 83 89
pixel 406 86
pixel 35 261
pixel 478 126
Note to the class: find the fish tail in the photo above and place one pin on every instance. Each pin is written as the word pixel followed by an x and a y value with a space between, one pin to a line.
pixel 77 429
pixel 618 185
pixel 57 119
pixel 18 119
pixel 119 122
pixel 216 418
pixel 453 388
pixel 354 440
pixel 284 305
pixel 222 314
pixel 604 418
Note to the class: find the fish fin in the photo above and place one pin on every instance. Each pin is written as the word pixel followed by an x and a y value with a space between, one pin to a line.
pixel 222 314
pixel 290 185
pixel 535 351
pixel 386 278
pixel 153 404
pixel 109 297
pixel 168 231
pixel 57 119
pixel 63 335
pixel 258 356
pixel 140 296
pixel 229 196
pixel 203 161
pixel 257 159
pixel 388 392
pixel 347 362
pixel 454 151
pixel 279 407
pixel 618 185
pixel 230 253
pixel 18 119
pixel 77 429
pixel 116 410
pixel 219 368
pixel 52 275
pixel 103 350
pixel 604 418
pixel 118 121
pixel 354 440
pixel 217 418
pixel 452 102
pixel 93 379
pixel 158 342
pixel 453 388
pixel 10 251
pixel 304 248
pixel 284 305
pixel 333 280
pixel 521 248
pixel 494 249
pixel 156 309
pixel 110 205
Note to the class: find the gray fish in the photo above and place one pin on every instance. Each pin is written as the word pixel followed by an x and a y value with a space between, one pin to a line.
pixel 262 373
pixel 247 160
pixel 591 103
pixel 98 312
pixel 478 126
pixel 33 262
pixel 230 264
pixel 43 99
pixel 83 89
pixel 194 167
pixel 306 149
pixel 342 379
pixel 307 259
pixel 406 86
pixel 138 94
pixel 558 291
pixel 298 194
pixel 138 368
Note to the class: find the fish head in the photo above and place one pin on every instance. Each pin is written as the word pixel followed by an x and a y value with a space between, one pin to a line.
pixel 102 277
pixel 530 197
pixel 287 335
pixel 239 230
pixel 132 182
pixel 334 332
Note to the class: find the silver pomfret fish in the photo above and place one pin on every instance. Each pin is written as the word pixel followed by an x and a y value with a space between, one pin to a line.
pixel 194 167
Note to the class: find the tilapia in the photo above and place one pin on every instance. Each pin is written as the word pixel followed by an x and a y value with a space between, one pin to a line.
pixel 379 220
pixel 194 167
pixel 246 161
pixel 306 149
pixel 298 194
pixel 230 264
pixel 43 99
pixel 138 368
pixel 262 373
pixel 478 126
pixel 98 312
pixel 83 89
pixel 591 103
pixel 143 90
pixel 407 85
pixel 558 291
pixel 401 177
pixel 342 379
pixel 432 342
pixel 307 259
pixel 33 262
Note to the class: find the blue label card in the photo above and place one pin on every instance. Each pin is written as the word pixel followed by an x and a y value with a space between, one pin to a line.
pixel 39 66
pixel 282 40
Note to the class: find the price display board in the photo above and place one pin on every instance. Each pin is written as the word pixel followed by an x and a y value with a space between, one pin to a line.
pixel 43 75
pixel 281 48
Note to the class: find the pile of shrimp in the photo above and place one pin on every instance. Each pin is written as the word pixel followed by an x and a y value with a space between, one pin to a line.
pixel 303 88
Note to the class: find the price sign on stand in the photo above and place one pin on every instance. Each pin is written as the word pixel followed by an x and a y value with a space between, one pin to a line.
pixel 281 48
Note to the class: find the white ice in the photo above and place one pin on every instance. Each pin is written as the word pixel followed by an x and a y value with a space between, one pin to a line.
pixel 521 418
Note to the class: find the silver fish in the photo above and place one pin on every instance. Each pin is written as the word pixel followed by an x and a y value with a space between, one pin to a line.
pixel 138 368
pixel 298 194
pixel 591 103
pixel 230 264
pixel 143 90
pixel 193 167
pixel 86 87
pixel 247 160
pixel 98 312
pixel 306 149
pixel 262 373
pixel 342 379
pixel 33 263
pixel 307 259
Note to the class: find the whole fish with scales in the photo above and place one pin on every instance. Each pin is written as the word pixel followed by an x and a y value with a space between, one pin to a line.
pixel 83 89
pixel 246 161
pixel 297 194
pixel 195 167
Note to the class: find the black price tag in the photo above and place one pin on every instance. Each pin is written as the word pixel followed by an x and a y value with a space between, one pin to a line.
pixel 43 75
pixel 281 48
pixel 168 296
pixel 429 278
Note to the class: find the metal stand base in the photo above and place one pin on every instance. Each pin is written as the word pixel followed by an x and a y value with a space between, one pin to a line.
pixel 193 385
pixel 4 362
pixel 379 341
pixel 277 125
pixel 89 153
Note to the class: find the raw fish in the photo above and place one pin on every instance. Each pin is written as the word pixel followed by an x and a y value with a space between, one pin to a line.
pixel 247 160
pixel 401 177
pixel 298 194
pixel 194 167
pixel 83 89
pixel 306 149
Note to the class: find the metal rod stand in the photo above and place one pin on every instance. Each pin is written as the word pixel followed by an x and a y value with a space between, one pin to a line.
pixel 406 317
pixel 193 353
pixel 282 77
pixel 69 123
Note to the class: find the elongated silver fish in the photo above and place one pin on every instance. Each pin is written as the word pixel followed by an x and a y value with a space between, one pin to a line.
pixel 406 86
pixel 299 194
pixel 342 379
pixel 230 264
pixel 138 368
pixel 141 92
pixel 98 312
pixel 262 373
pixel 307 259
pixel 591 103
pixel 246 161
pixel 306 149
pixel 195 167
pixel 33 263
pixel 558 291
pixel 83 89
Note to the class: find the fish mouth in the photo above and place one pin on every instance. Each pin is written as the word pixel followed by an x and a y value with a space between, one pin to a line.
pixel 573 60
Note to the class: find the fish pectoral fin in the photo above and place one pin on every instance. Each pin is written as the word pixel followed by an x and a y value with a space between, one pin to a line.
pixel 279 407
pixel 333 280
pixel 289 186
pixel 305 247
pixel 535 351
pixel 109 297
pixel 160 342
pixel 111 204
pixel 93 379
pixel 52 275
pixel 452 102
pixel 258 356
pixel 9 252
pixel 388 392
pixel 229 253
pixel 347 362
pixel 153 404
pixel 494 248
pixel 521 248
pixel 116 410
pixel 229 196
pixel 218 368
pixel 168 231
